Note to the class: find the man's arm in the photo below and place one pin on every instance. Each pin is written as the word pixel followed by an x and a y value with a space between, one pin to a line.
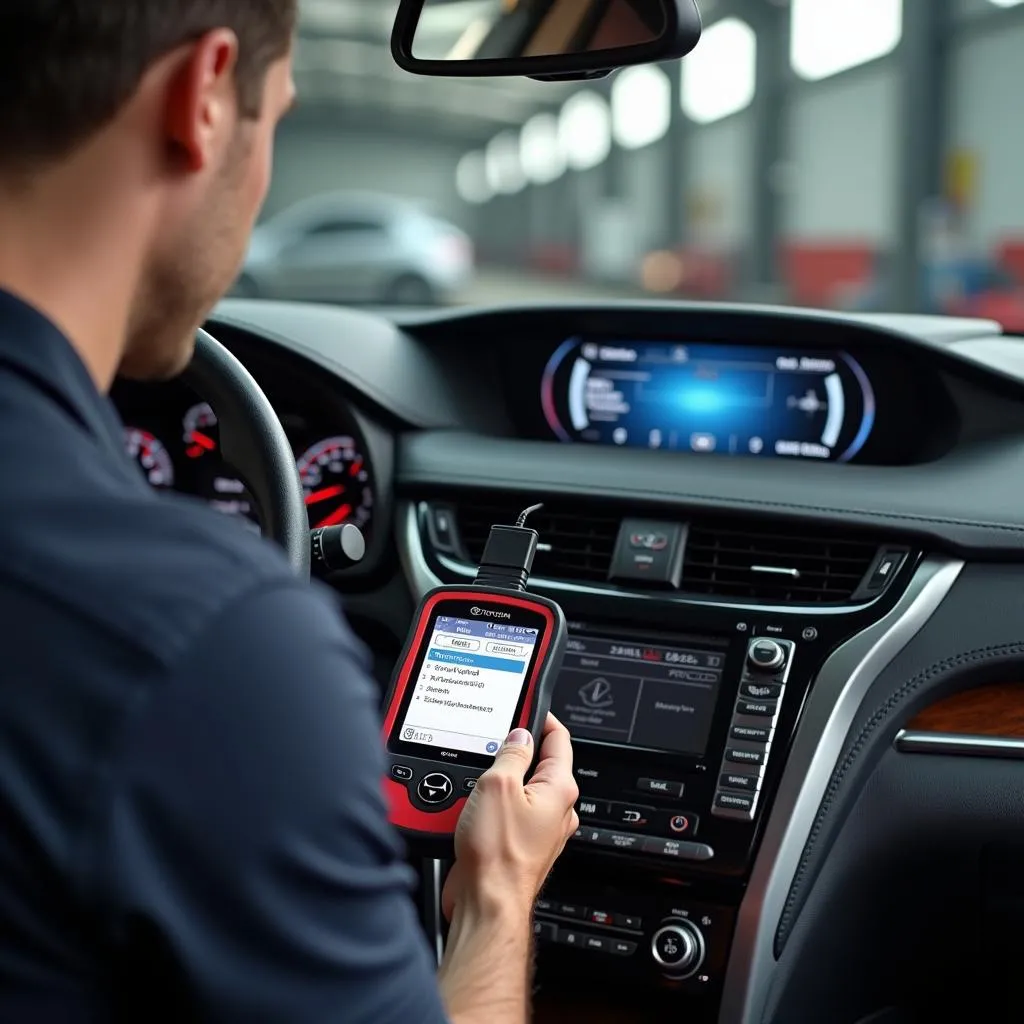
pixel 247 851
pixel 509 836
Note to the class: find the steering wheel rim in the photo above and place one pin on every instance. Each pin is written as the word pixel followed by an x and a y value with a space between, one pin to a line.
pixel 254 442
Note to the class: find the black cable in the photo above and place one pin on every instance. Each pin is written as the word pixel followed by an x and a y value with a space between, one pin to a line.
pixel 508 554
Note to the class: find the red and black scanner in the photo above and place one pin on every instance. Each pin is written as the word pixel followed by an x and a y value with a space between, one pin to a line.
pixel 480 661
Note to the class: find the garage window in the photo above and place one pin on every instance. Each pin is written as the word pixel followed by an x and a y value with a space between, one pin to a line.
pixel 471 178
pixel 641 106
pixel 829 36
pixel 585 130
pixel 720 77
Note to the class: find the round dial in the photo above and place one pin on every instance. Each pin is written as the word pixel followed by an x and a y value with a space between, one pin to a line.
pixel 148 451
pixel 336 482
pixel 199 430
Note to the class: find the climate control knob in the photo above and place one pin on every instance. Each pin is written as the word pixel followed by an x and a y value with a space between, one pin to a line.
pixel 678 949
pixel 765 655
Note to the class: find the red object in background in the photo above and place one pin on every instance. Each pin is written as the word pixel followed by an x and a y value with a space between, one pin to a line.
pixel 819 275
pixel 1006 308
pixel 1010 257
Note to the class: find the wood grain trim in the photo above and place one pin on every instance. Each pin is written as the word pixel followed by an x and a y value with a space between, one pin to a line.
pixel 996 710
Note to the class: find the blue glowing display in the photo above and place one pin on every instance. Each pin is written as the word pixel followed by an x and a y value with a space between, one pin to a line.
pixel 709 398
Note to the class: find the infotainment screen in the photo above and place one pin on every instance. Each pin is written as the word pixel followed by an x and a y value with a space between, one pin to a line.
pixel 710 399
pixel 640 694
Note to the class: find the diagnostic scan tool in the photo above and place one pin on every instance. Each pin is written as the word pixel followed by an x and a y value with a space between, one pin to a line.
pixel 481 660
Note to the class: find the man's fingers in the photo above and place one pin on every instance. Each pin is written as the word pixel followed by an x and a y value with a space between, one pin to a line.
pixel 554 766
pixel 513 759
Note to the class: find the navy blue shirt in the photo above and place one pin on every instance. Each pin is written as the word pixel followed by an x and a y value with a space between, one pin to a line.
pixel 191 818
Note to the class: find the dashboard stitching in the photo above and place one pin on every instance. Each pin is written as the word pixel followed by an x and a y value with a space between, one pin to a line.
pixel 786 919
pixel 476 481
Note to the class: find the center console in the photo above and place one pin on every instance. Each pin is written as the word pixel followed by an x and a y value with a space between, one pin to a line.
pixel 683 712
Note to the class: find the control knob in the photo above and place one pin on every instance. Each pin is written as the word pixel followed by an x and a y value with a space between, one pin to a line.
pixel 678 949
pixel 765 655
pixel 334 548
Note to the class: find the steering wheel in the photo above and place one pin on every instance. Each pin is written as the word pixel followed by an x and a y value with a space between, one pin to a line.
pixel 254 442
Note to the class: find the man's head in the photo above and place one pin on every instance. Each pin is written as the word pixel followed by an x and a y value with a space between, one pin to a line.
pixel 175 101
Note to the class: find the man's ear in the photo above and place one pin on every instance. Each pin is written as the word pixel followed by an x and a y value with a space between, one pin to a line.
pixel 202 103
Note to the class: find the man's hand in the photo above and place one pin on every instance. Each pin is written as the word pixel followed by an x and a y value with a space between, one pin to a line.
pixel 510 834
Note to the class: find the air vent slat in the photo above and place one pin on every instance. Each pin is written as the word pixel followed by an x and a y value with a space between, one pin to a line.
pixel 771 566
pixel 755 564
pixel 581 544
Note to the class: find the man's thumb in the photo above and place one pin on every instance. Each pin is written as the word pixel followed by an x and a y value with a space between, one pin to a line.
pixel 516 753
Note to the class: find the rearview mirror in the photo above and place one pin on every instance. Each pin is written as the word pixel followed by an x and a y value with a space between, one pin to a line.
pixel 547 39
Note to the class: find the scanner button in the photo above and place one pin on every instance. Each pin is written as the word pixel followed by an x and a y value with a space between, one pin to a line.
pixel 434 788
pixel 401 772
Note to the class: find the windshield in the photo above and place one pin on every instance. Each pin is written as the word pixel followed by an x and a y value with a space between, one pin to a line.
pixel 849 154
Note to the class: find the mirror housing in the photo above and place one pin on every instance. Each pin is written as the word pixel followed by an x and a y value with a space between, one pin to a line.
pixel 680 34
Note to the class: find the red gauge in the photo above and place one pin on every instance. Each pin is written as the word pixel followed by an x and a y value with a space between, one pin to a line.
pixel 199 431
pixel 148 451
pixel 336 481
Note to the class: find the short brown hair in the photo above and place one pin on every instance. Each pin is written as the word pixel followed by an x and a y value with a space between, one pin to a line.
pixel 69 66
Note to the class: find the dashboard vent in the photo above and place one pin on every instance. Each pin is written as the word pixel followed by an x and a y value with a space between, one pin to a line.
pixel 575 543
pixel 775 565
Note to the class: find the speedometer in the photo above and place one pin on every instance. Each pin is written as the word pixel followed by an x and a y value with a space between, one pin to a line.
pixel 337 484
pixel 153 458
pixel 710 398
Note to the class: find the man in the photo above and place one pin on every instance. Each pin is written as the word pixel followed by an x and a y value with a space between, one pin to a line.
pixel 191 823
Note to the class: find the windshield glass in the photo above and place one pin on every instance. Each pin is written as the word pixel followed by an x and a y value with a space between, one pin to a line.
pixel 847 154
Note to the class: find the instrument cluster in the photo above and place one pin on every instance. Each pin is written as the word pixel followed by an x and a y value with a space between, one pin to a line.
pixel 175 439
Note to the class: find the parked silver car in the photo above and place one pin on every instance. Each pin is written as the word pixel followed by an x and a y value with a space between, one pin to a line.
pixel 357 248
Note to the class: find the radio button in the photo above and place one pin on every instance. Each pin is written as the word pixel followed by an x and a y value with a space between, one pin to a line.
pixel 587 808
pixel 760 691
pixel 627 921
pixel 737 780
pixel 757 709
pixel 744 803
pixel 751 733
pixel 740 755
pixel 634 815
pixel 621 841
pixel 661 786
pixel 678 848
pixel 574 910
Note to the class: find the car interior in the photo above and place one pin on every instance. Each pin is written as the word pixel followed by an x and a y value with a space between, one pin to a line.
pixel 789 544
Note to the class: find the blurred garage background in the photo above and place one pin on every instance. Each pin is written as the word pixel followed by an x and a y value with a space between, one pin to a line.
pixel 855 154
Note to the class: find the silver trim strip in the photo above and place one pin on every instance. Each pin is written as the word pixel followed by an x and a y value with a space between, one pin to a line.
pixel 435 881
pixel 913 742
pixel 422 579
pixel 834 700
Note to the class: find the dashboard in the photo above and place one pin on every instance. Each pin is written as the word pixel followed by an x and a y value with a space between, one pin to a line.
pixel 780 538
pixel 173 436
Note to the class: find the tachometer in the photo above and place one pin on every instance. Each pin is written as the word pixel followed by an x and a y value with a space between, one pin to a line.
pixel 199 430
pixel 336 481
pixel 148 451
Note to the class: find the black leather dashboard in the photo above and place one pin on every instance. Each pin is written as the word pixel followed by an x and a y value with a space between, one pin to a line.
pixel 435 375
